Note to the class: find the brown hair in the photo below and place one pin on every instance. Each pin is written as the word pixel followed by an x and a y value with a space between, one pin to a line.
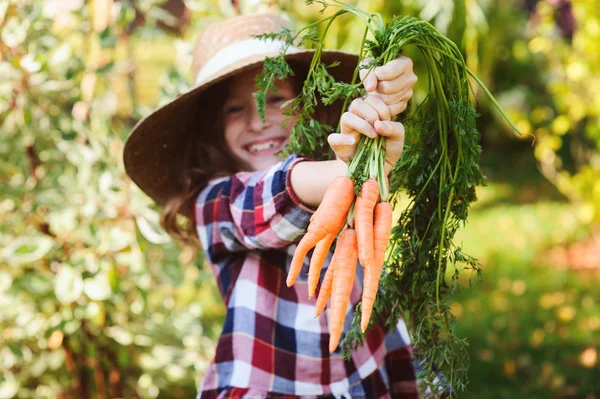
pixel 207 156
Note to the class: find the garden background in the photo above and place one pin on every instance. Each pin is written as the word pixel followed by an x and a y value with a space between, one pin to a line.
pixel 97 302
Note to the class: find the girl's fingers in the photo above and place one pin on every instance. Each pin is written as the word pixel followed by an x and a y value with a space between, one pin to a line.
pixel 395 81
pixel 392 131
pixel 351 123
pixel 395 98
pixel 396 85
pixel 390 78
pixel 369 79
pixel 379 106
pixel 398 108
pixel 370 108
pixel 396 103
pixel 363 109
pixel 394 143
pixel 344 145
pixel 339 139
pixel 394 68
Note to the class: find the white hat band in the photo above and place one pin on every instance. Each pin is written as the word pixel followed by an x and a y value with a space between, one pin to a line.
pixel 238 51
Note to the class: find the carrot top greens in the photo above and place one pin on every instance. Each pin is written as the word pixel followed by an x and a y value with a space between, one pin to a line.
pixel 438 173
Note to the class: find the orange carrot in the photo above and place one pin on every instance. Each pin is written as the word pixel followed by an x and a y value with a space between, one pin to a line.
pixel 346 254
pixel 316 262
pixel 307 243
pixel 318 257
pixel 363 220
pixel 382 227
pixel 327 220
pixel 325 290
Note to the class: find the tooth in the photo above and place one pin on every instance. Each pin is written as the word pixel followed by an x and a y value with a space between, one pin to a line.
pixel 262 146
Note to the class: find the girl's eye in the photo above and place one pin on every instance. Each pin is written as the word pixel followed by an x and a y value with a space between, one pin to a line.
pixel 275 99
pixel 233 109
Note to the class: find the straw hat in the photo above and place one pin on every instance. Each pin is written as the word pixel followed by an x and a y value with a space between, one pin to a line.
pixel 152 153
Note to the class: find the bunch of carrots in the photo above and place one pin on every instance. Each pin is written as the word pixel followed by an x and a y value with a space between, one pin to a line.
pixel 363 225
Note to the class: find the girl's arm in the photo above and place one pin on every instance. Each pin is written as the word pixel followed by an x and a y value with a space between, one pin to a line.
pixel 310 179
pixel 250 211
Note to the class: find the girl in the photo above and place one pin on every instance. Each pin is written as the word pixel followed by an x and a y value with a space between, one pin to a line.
pixel 211 162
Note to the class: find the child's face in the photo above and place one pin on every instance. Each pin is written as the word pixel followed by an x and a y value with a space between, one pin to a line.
pixel 246 135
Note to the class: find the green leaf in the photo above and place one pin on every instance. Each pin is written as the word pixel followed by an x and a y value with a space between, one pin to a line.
pixel 16 350
pixel 113 277
pixel 106 68
pixel 35 283
pixel 107 38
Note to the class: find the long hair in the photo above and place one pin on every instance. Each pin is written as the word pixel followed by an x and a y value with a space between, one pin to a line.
pixel 207 156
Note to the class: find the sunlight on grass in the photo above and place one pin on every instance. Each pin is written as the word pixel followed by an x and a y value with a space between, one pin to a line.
pixel 519 231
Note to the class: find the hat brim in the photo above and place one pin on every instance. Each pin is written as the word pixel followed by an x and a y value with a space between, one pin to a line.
pixel 152 152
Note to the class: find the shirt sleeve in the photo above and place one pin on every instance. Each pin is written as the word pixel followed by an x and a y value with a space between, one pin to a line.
pixel 251 211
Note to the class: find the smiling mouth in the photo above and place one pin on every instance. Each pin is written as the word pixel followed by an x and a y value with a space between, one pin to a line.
pixel 264 146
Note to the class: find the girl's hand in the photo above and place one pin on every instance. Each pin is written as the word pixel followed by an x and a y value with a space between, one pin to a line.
pixel 392 82
pixel 370 117
pixel 389 88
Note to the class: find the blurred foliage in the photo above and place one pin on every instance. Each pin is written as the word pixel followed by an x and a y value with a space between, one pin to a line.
pixel 95 299
pixel 566 121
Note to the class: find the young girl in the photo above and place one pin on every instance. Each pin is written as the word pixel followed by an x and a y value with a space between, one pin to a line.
pixel 211 162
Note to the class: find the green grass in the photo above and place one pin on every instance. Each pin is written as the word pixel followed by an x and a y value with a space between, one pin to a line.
pixel 533 327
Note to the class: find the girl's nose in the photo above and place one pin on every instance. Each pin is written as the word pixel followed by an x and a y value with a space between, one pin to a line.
pixel 254 122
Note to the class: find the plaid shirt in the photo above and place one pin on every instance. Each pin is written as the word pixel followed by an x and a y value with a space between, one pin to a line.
pixel 271 345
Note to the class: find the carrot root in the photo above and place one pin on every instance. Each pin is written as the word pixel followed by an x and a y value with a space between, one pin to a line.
pixel 363 220
pixel 307 243
pixel 316 263
pixel 325 291
pixel 382 228
pixel 343 281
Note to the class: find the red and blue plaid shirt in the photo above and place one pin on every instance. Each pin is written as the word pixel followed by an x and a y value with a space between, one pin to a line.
pixel 271 345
